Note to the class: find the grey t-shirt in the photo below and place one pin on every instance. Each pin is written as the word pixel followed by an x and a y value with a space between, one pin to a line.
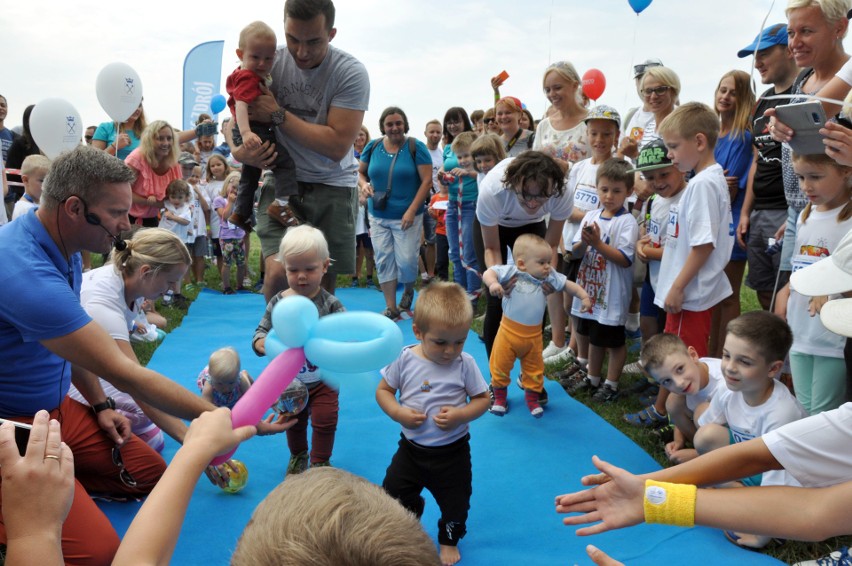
pixel 340 81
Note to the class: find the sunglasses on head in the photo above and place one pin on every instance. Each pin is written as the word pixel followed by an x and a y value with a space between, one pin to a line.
pixel 639 70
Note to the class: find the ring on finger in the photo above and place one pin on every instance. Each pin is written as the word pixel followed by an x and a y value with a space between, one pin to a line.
pixel 51 457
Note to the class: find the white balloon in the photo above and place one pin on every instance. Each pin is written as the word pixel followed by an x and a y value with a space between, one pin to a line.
pixel 119 90
pixel 56 126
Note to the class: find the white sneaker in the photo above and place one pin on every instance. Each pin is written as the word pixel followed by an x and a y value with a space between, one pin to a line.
pixel 634 368
pixel 557 355
pixel 839 557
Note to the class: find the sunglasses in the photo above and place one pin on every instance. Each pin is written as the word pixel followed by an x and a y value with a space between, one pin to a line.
pixel 659 91
pixel 526 197
pixel 123 474
pixel 639 70
pixel 489 120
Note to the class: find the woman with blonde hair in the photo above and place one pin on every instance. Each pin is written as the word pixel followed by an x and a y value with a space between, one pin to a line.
pixel 562 134
pixel 733 102
pixel 155 163
pixel 152 264
pixel 660 87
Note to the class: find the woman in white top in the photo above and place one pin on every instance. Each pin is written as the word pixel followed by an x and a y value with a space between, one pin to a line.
pixel 562 135
pixel 153 263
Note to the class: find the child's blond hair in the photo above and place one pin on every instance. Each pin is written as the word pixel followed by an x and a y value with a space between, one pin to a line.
pixel 256 29
pixel 463 142
pixel 302 239
pixel 330 516
pixel 821 159
pixel 223 192
pixel 224 364
pixel 658 348
pixel 525 244
pixel 445 303
pixel 34 164
pixel 488 145
pixel 689 120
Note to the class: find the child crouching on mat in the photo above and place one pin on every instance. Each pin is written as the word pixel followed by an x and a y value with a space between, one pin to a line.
pixel 519 335
pixel 221 382
pixel 435 379
pixel 304 254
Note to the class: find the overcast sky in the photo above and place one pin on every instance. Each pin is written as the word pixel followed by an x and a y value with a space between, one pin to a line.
pixel 422 56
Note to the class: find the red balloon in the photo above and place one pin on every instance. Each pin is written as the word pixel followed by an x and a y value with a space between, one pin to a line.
pixel 594 84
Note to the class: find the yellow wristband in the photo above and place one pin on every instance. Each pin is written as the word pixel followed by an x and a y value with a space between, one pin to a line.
pixel 670 503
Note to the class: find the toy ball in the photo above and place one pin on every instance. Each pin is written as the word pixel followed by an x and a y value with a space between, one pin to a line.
pixel 293 400
pixel 238 479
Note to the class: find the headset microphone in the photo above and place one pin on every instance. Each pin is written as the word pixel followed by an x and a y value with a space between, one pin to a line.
pixel 118 243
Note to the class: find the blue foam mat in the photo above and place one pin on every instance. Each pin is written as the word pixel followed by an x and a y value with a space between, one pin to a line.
pixel 519 463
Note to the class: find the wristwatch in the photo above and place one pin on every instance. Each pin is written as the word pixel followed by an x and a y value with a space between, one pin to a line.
pixel 277 117
pixel 108 404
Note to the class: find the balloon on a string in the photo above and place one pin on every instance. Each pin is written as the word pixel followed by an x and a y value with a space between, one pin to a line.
pixel 639 5
pixel 56 126
pixel 594 84
pixel 217 103
pixel 119 91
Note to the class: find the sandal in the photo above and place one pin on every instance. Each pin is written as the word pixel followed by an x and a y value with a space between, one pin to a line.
pixel 646 418
pixel 760 542
pixel 392 314
pixel 283 214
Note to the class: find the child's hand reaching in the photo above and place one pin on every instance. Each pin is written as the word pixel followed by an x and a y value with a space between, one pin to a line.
pixel 815 304
pixel 251 140
pixel 496 290
pixel 448 418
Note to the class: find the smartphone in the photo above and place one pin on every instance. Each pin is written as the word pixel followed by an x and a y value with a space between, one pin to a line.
pixel 22 434
pixel 806 119
pixel 502 76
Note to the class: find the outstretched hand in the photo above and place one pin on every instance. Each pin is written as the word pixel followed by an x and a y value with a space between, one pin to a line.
pixel 612 505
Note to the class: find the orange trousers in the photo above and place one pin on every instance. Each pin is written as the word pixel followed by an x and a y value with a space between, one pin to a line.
pixel 517 341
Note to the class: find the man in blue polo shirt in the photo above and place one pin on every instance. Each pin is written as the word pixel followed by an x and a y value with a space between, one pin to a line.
pixel 45 334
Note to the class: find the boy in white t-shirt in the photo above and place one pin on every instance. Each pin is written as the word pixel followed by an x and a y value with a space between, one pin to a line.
pixel 693 380
pixel 606 241
pixel 602 129
pixel 519 335
pixel 754 402
pixel 33 171
pixel 700 230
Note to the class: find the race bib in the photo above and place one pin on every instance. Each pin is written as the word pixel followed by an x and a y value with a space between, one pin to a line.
pixel 586 198
pixel 672 228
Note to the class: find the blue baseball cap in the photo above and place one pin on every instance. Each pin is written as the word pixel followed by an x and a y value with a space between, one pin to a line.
pixel 773 35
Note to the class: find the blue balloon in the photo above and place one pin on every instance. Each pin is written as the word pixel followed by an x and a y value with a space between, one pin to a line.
pixel 293 318
pixel 273 345
pixel 354 342
pixel 639 5
pixel 218 103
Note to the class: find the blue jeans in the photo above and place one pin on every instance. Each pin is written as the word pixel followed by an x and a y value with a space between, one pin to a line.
pixel 464 277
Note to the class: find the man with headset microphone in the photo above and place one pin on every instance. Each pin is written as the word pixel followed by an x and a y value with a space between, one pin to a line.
pixel 45 335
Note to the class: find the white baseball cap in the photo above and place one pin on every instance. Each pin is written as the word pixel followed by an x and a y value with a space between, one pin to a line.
pixel 828 276
pixel 836 316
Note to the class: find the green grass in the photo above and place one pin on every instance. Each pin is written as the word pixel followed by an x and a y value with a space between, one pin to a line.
pixel 612 412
